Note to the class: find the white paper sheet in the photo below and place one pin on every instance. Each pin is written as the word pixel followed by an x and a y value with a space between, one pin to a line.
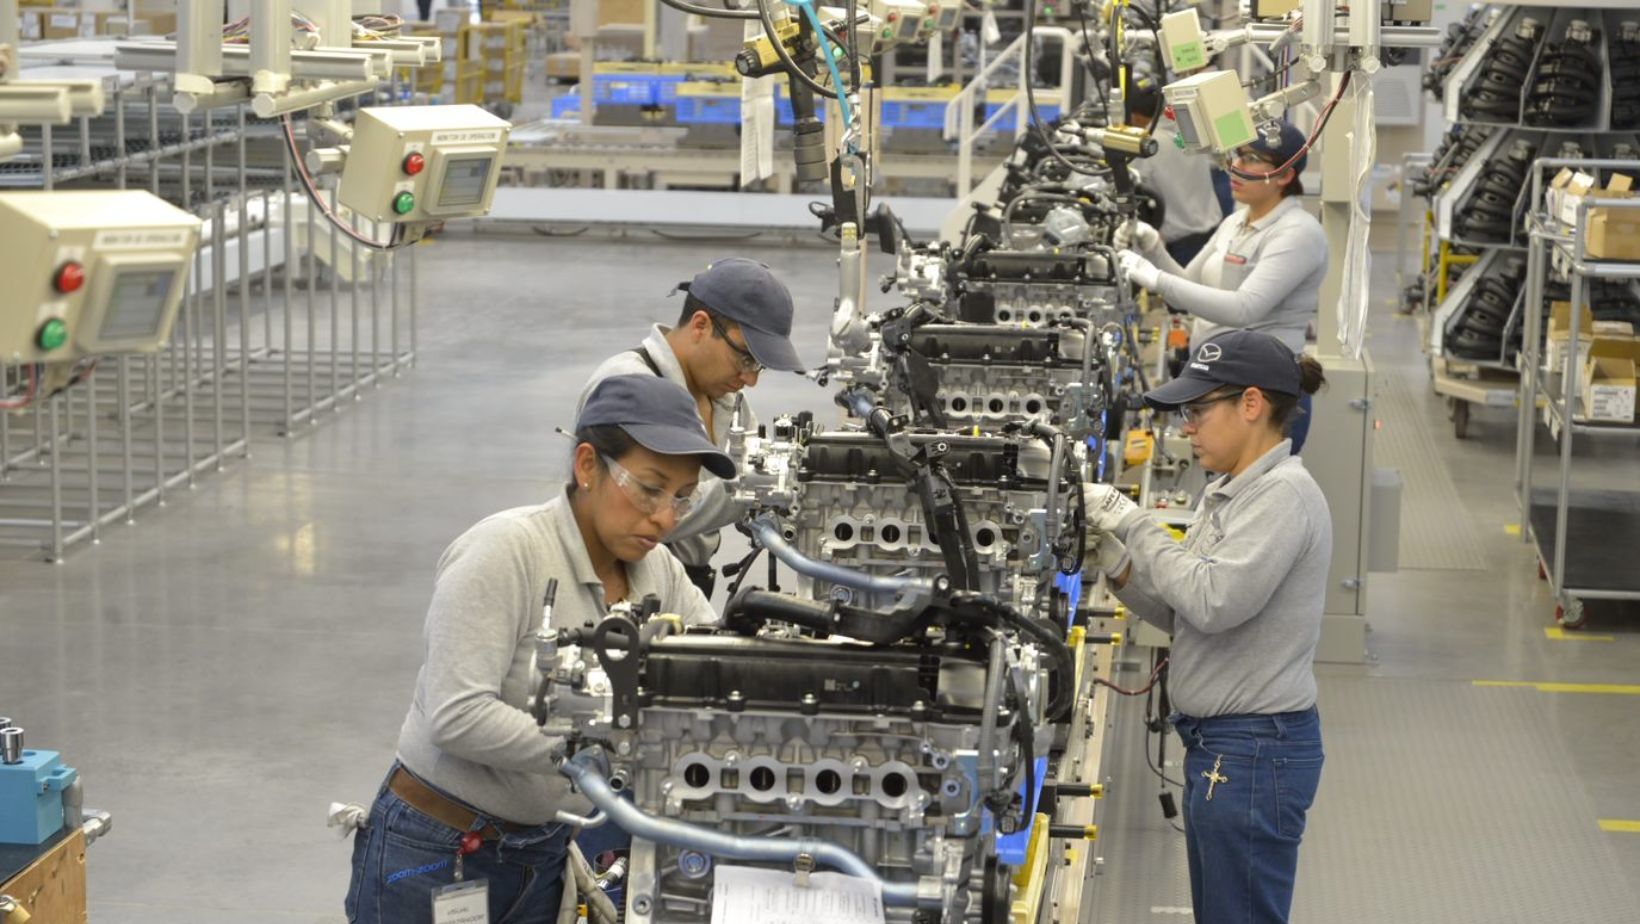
pixel 742 894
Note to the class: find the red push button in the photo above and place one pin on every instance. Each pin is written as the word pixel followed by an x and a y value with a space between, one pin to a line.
pixel 70 276
pixel 414 163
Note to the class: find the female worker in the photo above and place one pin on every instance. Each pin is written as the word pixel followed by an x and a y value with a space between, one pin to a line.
pixel 475 776
pixel 1262 268
pixel 1242 596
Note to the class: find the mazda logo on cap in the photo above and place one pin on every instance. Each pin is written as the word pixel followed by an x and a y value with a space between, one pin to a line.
pixel 1209 353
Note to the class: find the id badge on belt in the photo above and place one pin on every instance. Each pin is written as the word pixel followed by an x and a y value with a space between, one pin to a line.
pixel 463 902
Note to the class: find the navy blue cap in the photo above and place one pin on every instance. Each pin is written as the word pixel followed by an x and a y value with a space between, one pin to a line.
pixel 657 413
pixel 746 292
pixel 1239 358
pixel 1290 143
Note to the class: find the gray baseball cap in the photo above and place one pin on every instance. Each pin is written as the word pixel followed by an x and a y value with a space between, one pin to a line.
pixel 746 292
pixel 657 413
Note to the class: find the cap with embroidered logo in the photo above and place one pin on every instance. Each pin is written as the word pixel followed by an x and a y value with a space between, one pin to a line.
pixel 1242 358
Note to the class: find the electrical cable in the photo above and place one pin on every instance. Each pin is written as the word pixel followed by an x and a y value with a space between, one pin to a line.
pixel 1140 691
pixel 1320 125
pixel 27 398
pixel 828 51
pixel 396 242
pixel 1028 78
pixel 766 14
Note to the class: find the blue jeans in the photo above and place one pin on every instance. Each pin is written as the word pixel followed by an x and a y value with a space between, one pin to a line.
pixel 1243 842
pixel 404 855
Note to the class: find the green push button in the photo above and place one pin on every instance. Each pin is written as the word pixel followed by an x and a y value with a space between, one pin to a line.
pixel 403 203
pixel 52 334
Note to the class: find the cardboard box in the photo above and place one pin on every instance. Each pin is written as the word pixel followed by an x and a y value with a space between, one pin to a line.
pixel 1608 381
pixel 621 12
pixel 1560 333
pixel 1611 233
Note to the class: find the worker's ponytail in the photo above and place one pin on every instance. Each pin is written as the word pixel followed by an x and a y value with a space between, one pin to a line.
pixel 1310 374
pixel 1283 408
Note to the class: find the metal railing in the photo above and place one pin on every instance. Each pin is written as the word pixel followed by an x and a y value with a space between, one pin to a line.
pixel 959 112
pixel 279 324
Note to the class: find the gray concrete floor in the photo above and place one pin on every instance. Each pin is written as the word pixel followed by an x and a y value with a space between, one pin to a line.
pixel 225 669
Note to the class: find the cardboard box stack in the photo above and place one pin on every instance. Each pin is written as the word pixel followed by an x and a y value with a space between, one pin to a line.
pixel 1607 356
pixel 1613 232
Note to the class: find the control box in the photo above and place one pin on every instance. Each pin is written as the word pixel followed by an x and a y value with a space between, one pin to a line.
pixel 90 272
pixel 1212 112
pixel 423 163
pixel 1184 48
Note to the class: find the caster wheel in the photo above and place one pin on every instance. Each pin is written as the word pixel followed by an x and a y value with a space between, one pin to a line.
pixel 1460 419
pixel 1571 617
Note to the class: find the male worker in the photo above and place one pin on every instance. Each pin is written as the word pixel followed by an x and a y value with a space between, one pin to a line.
pixel 1182 181
pixel 736 322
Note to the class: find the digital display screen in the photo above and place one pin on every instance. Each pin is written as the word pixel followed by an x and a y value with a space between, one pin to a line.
pixel 464 181
pixel 136 307
pixel 908 27
pixel 1187 125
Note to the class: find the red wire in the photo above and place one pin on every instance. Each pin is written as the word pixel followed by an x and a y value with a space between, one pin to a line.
pixel 12 404
pixel 316 199
pixel 1142 690
pixel 1320 125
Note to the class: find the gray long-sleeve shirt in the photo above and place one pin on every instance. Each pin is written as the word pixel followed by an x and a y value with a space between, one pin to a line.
pixel 1263 275
pixel 1185 184
pixel 695 538
pixel 1243 593
pixel 467 731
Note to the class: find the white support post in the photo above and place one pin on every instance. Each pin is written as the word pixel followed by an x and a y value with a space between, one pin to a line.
pixel 199 47
pixel 270 46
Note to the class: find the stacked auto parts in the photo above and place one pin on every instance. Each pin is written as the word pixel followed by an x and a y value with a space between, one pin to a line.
pixel 1565 91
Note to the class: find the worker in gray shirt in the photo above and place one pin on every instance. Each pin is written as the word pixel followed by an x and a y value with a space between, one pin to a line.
pixel 1242 596
pixel 1183 182
pixel 736 322
pixel 475 794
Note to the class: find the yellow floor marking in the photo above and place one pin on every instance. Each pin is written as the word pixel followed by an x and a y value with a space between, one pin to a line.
pixel 1617 689
pixel 1512 529
pixel 1618 826
pixel 1556 633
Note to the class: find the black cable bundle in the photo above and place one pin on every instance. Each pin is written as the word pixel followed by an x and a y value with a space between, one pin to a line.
pixel 1566 88
pixel 1625 64
pixel 1488 215
pixel 1495 97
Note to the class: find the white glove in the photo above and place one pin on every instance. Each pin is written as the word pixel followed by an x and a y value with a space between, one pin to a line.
pixel 1139 270
pixel 1136 235
pixel 1107 505
pixel 1109 557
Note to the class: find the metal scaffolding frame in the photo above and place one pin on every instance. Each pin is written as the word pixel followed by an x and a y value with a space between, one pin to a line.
pixel 274 332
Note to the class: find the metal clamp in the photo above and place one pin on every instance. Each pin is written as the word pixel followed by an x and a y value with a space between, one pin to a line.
pixel 803 866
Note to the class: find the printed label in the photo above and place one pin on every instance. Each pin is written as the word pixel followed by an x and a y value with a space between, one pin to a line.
pixel 472 136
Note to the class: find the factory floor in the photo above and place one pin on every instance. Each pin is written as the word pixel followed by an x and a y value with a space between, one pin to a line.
pixel 229 666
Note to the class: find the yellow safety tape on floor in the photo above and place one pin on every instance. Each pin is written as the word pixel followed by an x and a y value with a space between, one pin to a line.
pixel 1557 634
pixel 1619 826
pixel 1617 689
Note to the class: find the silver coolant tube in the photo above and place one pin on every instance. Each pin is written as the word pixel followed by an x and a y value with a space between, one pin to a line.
pixel 785 850
pixel 766 531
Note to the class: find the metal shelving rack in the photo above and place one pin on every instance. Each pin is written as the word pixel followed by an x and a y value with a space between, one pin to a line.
pixel 1490 380
pixel 1605 526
